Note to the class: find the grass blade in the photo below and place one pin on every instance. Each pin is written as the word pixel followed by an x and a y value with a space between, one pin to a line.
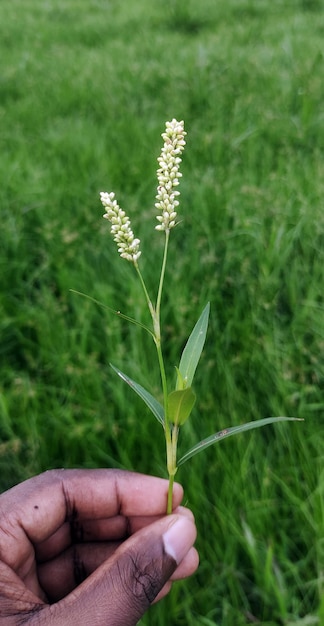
pixel 233 430
pixel 108 308
pixel 149 400
pixel 193 348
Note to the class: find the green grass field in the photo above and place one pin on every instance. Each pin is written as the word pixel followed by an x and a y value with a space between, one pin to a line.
pixel 85 90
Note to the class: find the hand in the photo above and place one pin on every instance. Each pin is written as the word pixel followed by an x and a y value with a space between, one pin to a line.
pixel 90 547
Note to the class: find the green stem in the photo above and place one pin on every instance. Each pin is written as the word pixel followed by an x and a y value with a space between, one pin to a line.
pixel 171 435
pixel 165 255
pixel 172 463
pixel 170 494
pixel 148 300
pixel 164 384
pixel 155 314
pixel 169 440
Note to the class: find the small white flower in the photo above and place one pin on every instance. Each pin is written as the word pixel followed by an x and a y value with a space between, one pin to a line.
pixel 168 174
pixel 128 246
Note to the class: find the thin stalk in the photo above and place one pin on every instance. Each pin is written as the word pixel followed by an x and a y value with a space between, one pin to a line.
pixel 157 331
pixel 155 313
pixel 169 439
pixel 170 494
pixel 148 300
pixel 164 384
pixel 171 436
pixel 172 449
pixel 165 255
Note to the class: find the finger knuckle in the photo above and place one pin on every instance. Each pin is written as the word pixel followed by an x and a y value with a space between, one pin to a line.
pixel 142 578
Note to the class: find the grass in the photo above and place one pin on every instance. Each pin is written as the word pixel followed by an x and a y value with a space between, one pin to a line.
pixel 85 90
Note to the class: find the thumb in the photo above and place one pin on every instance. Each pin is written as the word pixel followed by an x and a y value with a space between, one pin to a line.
pixel 120 591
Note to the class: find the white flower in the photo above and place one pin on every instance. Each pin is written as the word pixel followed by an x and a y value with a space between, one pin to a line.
pixel 128 246
pixel 168 174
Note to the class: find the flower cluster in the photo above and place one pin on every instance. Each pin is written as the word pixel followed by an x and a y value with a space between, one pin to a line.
pixel 128 246
pixel 168 174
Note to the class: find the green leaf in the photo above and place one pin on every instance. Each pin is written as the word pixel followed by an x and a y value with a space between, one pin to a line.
pixel 150 401
pixel 193 348
pixel 108 308
pixel 180 405
pixel 227 432
pixel 180 384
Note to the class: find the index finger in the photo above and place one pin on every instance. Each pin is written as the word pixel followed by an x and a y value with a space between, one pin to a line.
pixel 39 506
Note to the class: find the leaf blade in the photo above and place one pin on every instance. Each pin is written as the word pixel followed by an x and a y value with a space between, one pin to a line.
pixel 194 346
pixel 233 430
pixel 108 308
pixel 154 405
pixel 180 405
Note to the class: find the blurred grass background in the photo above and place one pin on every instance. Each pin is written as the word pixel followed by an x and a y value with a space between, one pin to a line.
pixel 85 90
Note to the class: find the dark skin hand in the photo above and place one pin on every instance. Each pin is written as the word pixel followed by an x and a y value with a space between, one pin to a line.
pixel 90 547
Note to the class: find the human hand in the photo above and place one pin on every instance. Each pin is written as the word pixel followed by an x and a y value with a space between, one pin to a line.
pixel 90 547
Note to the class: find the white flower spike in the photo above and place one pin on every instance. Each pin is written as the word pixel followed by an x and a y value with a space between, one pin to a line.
pixel 168 174
pixel 128 246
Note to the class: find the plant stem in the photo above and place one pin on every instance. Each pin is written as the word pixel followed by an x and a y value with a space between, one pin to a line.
pixel 155 314
pixel 148 300
pixel 172 463
pixel 171 435
pixel 170 494
pixel 165 255
pixel 157 332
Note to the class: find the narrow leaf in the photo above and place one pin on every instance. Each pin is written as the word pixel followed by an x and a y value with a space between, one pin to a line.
pixel 193 348
pixel 104 306
pixel 149 400
pixel 180 405
pixel 233 430
pixel 181 383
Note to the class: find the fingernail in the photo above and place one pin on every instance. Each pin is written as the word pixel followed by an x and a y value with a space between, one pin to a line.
pixel 179 538
pixel 182 510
